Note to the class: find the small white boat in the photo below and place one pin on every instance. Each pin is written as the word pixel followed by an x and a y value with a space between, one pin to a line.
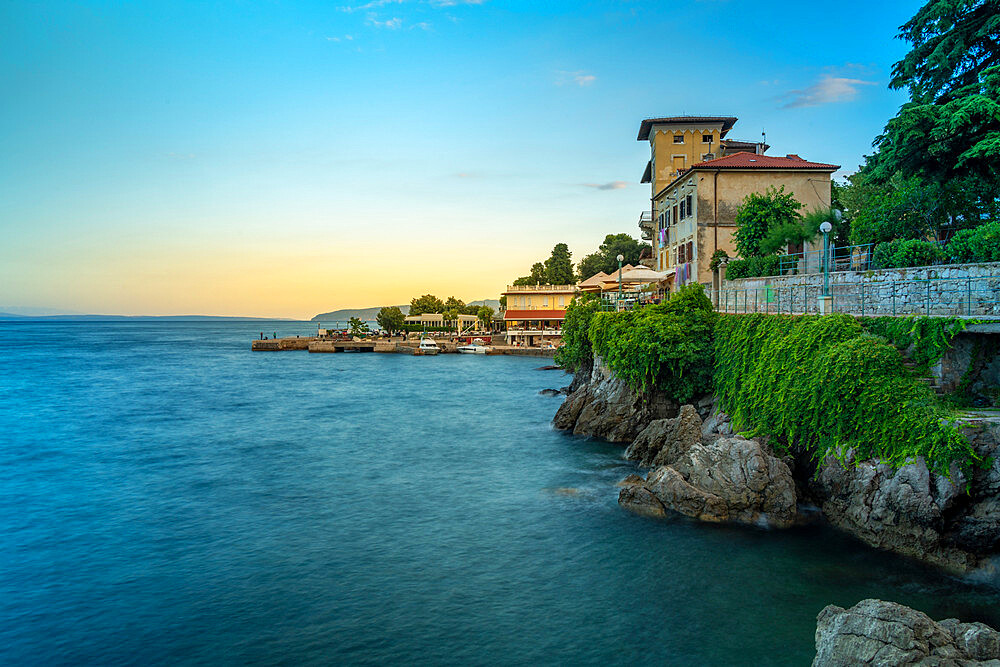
pixel 427 347
pixel 472 348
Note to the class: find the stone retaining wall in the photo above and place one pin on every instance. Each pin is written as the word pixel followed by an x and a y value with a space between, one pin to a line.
pixel 956 289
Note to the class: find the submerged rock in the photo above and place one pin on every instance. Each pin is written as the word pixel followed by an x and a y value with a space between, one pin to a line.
pixel 874 632
pixel 730 479
pixel 549 392
pixel 664 441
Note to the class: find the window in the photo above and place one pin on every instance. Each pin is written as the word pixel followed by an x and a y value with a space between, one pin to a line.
pixel 529 302
pixel 545 302
pixel 562 301
pixel 683 209
pixel 690 207
pixel 676 216
pixel 678 138
pixel 706 138
pixel 690 250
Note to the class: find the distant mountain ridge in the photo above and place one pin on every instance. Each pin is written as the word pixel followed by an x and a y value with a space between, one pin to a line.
pixel 140 318
pixel 368 314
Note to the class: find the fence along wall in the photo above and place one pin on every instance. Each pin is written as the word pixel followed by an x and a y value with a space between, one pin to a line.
pixel 971 290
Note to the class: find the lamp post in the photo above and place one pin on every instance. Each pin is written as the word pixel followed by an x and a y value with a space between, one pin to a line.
pixel 826 301
pixel 618 305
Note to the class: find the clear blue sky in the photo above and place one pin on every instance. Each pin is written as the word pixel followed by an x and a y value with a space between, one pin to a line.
pixel 285 158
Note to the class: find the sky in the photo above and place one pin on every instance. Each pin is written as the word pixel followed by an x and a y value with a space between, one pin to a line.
pixel 283 159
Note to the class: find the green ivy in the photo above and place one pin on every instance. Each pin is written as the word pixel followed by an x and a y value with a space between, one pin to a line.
pixel 923 339
pixel 666 347
pixel 826 385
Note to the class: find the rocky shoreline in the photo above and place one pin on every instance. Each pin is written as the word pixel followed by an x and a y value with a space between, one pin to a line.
pixel 696 465
pixel 699 467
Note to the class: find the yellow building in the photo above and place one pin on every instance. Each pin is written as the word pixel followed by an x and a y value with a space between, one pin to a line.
pixel 535 313
pixel 696 191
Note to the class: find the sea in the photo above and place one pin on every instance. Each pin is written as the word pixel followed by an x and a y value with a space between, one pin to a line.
pixel 169 497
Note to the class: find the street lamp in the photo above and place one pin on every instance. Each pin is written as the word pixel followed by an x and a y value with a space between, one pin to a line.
pixel 826 300
pixel 621 258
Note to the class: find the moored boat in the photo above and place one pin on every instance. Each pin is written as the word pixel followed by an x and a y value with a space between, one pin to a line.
pixel 427 347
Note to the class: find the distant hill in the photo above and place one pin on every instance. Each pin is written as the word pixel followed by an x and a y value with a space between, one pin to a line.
pixel 139 318
pixel 368 314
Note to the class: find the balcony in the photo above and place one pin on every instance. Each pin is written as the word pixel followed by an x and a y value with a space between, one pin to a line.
pixel 646 225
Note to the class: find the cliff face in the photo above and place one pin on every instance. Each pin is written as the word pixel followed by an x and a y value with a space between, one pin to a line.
pixel 700 469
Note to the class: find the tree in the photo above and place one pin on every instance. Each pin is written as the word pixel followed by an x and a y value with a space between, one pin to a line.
pixel 503 302
pixel 605 259
pixel 537 276
pixel 391 319
pixel 428 303
pixel 950 128
pixel 485 316
pixel 759 213
pixel 904 209
pixel 558 267
pixel 451 303
pixel 357 327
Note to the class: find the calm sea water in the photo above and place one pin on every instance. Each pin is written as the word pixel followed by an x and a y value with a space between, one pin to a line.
pixel 167 496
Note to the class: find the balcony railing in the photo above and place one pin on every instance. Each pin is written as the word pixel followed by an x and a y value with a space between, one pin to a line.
pixel 541 288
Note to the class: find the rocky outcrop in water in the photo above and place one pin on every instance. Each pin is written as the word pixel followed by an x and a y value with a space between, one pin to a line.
pixel 664 441
pixel 608 408
pixel 729 479
pixel 874 632
pixel 915 512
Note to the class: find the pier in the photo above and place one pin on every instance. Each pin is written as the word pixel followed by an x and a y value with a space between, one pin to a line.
pixel 383 345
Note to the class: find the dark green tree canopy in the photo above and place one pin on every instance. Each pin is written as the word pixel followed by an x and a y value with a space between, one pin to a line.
pixel 390 318
pixel 428 303
pixel 605 257
pixel 761 212
pixel 558 267
pixel 485 314
pixel 954 42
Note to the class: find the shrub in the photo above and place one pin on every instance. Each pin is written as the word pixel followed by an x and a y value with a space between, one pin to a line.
pixel 769 265
pixel 717 258
pixel 667 347
pixel 827 386
pixel 900 254
pixel 576 349
pixel 760 212
pixel 737 269
pixel 979 244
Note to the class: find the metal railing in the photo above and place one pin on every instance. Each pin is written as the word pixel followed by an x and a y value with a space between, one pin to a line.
pixel 842 258
pixel 965 297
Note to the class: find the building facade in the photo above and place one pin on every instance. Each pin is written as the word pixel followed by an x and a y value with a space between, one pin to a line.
pixel 535 313
pixel 696 192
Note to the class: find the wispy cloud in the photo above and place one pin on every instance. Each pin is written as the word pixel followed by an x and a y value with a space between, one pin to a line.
pixel 345 38
pixel 394 23
pixel 578 78
pixel 829 89
pixel 423 25
pixel 613 185
pixel 454 3
pixel 368 6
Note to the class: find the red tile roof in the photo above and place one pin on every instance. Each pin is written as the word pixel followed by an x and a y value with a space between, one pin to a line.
pixel 648 123
pixel 744 160
pixel 535 315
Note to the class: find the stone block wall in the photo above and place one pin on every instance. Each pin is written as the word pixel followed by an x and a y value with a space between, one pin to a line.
pixel 956 289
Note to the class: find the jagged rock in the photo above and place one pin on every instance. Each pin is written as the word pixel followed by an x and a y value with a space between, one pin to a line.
pixel 874 632
pixel 905 510
pixel 664 441
pixel 731 479
pixel 609 408
pixel 717 423
pixel 549 392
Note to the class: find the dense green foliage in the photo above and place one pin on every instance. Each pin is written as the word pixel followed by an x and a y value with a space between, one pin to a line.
pixel 666 347
pixel 924 340
pixel 428 303
pixel 827 386
pixel 485 315
pixel 981 244
pixel 605 259
pixel 758 214
pixel 576 349
pixel 717 258
pixel 391 319
pixel 753 267
pixel 906 253
pixel 356 327
pixel 556 270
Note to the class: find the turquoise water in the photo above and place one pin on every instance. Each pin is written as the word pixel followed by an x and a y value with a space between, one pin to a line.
pixel 167 496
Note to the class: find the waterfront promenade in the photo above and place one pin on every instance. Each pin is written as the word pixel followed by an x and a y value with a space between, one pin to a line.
pixel 382 345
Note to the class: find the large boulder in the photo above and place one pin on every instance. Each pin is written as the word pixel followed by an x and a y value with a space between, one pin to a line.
pixel 664 441
pixel 874 632
pixel 607 407
pixel 730 479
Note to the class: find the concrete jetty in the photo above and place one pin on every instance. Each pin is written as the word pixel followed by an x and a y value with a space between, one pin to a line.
pixel 329 346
